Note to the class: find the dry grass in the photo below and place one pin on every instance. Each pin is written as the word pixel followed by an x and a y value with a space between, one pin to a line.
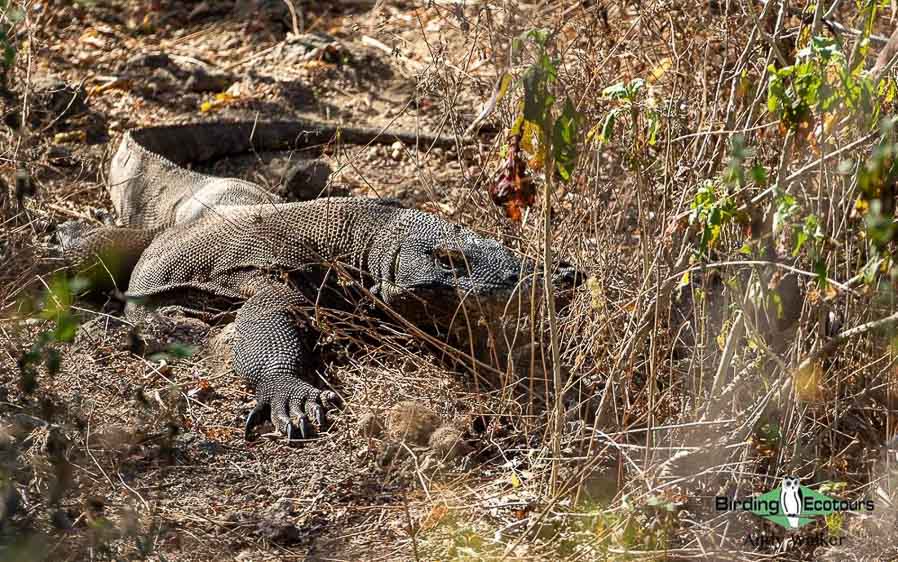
pixel 679 389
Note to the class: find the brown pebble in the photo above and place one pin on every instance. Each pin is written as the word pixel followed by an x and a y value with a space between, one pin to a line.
pixel 369 425
pixel 411 422
pixel 448 443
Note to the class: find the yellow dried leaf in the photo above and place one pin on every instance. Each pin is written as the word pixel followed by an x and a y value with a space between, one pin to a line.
pixel 70 137
pixel 117 84
pixel 218 101
pixel 594 133
pixel 829 120
pixel 536 163
pixel 316 64
pixel 530 136
pixel 92 38
pixel 659 71
pixel 887 90
pixel 504 84
pixel 808 382
pixel 515 480
pixel 721 338
pixel 813 296
pixel 597 294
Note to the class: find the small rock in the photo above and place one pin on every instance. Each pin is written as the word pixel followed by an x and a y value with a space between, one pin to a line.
pixel 60 156
pixel 201 80
pixel 149 60
pixel 397 151
pixel 369 425
pixel 304 179
pixel 448 443
pixel 105 330
pixel 411 422
pixel 10 501
pixel 115 437
pixel 160 80
pixel 278 532
pixel 61 520
pixel 53 99
pixel 184 439
pixel 221 348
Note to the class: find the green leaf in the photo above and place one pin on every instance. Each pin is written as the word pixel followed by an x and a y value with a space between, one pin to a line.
pixel 822 273
pixel 654 125
pixel 615 91
pixel 538 36
pixel 58 300
pixel 626 92
pixel 776 92
pixel 759 175
pixel 564 140
pixel 54 361
pixel 786 206
pixel 608 127
pixel 800 240
pixel 14 15
pixel 66 328
pixel 181 350
pixel 537 97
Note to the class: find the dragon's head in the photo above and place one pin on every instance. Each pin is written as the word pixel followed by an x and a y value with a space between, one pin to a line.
pixel 437 267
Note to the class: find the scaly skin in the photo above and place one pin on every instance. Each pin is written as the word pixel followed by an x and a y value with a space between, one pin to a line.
pixel 272 259
pixel 210 244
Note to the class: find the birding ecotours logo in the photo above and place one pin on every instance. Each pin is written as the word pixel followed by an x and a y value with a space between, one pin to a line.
pixel 790 501
pixel 791 505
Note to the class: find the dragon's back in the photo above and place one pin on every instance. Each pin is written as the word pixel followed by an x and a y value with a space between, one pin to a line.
pixel 227 249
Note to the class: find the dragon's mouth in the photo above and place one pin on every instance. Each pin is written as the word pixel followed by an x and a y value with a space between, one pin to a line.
pixel 481 289
pixel 437 301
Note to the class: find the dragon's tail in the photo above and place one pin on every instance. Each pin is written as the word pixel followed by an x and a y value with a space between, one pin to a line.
pixel 183 144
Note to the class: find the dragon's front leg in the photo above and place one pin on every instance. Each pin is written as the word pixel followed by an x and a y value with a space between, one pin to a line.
pixel 271 350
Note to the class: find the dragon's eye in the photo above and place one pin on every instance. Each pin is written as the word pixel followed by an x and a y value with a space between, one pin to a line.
pixel 449 260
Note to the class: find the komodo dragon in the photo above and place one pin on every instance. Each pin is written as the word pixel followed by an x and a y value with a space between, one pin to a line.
pixel 198 244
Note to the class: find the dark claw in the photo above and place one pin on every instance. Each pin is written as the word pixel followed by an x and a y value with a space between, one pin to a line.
pixel 301 431
pixel 292 431
pixel 305 428
pixel 319 415
pixel 257 416
pixel 331 399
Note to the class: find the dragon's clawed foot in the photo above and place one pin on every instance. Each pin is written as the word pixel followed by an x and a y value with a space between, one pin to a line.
pixel 291 408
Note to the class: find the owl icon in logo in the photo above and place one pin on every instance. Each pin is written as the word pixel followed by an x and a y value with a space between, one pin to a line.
pixel 791 500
